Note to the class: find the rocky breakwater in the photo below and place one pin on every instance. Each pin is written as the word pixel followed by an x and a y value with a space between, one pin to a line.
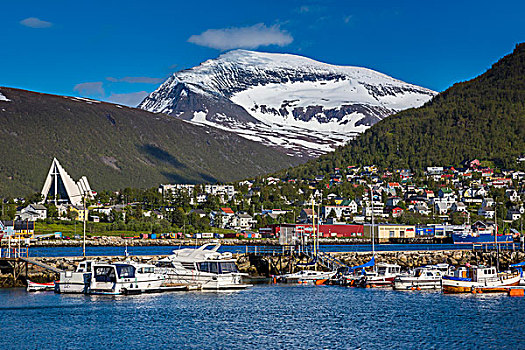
pixel 275 265
pixel 420 258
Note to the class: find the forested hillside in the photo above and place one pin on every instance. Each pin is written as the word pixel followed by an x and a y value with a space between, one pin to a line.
pixel 482 118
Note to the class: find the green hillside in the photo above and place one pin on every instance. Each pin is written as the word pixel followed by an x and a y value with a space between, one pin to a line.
pixel 482 118
pixel 116 147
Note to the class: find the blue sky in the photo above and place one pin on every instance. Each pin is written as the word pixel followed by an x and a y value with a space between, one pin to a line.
pixel 120 50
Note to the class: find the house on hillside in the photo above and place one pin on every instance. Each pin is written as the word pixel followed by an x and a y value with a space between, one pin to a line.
pixel 32 212
pixel 223 218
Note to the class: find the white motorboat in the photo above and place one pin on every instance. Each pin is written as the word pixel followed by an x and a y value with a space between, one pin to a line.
pixel 203 268
pixel 77 281
pixel 472 279
pixel 382 276
pixel 425 277
pixel 306 276
pixel 124 278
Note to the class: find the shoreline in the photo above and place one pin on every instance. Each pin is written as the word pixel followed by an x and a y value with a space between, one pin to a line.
pixel 113 241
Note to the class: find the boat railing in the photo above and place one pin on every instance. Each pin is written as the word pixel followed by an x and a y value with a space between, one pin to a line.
pixel 271 250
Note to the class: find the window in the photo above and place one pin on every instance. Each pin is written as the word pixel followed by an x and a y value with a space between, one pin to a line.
pixel 391 234
pixel 125 271
pixel 402 234
pixel 204 266
pixel 214 268
pixel 228 267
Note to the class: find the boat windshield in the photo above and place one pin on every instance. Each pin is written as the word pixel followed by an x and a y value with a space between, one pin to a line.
pixel 228 267
pixel 104 274
pixel 125 271
pixel 217 267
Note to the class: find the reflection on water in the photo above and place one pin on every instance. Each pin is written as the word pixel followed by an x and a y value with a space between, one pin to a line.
pixel 262 317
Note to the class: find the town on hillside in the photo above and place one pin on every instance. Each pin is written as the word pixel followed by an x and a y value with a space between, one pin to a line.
pixel 403 204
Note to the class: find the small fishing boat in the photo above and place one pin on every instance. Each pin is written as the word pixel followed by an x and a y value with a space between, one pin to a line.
pixel 306 276
pixel 40 287
pixel 425 277
pixel 382 276
pixel 519 269
pixel 482 279
pixel 77 281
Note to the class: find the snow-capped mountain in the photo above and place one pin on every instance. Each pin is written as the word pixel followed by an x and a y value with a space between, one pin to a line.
pixel 286 101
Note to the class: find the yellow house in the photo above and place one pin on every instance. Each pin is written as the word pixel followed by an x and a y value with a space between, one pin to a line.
pixel 81 213
pixel 385 232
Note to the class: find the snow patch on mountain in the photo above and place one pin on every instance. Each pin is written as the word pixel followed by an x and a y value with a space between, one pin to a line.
pixel 3 98
pixel 293 103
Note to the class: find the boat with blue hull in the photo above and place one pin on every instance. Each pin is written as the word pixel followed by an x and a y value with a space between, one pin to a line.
pixel 480 233
pixel 481 238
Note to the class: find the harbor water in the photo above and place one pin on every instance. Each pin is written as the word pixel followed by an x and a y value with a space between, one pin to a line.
pixel 262 317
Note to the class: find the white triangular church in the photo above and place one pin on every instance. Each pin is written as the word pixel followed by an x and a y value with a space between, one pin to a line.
pixel 60 188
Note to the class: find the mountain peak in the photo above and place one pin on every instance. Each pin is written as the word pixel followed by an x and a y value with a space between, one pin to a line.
pixel 290 102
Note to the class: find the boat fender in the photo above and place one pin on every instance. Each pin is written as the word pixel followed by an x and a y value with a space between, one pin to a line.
pixel 418 288
pixel 412 288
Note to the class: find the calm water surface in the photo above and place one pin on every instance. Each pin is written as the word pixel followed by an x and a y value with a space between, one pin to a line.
pixel 262 317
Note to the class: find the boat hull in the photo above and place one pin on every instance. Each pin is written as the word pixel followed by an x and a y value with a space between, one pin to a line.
pixel 73 282
pixel 379 282
pixel 481 239
pixel 502 285
pixel 204 280
pixel 414 283
pixel 40 287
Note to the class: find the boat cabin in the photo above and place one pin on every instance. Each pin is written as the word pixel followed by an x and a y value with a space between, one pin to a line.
pixel 388 269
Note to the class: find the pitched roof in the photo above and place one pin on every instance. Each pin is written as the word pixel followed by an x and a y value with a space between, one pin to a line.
pixel 227 210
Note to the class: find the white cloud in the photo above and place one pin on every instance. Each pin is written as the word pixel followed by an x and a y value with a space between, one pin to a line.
pixel 34 22
pixel 133 80
pixel 132 99
pixel 90 89
pixel 245 37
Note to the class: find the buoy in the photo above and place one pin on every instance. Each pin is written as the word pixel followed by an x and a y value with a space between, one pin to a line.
pixel 480 291
pixel 418 288
pixel 412 288
pixel 474 291
pixel 367 286
pixel 274 279
pixel 516 292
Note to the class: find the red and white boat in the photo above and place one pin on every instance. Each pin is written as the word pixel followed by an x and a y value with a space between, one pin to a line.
pixel 382 276
pixel 479 279
pixel 38 287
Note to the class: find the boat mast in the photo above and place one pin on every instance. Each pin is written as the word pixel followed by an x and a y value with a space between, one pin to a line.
pixel 319 219
pixel 84 217
pixel 496 235
pixel 372 208
pixel 313 225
